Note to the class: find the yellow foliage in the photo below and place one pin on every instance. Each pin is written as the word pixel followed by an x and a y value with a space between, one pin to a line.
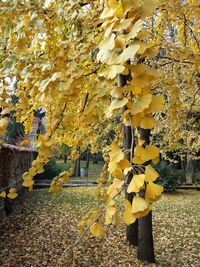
pixel 97 230
pixel 136 183
pixel 150 174
pixel 139 207
pixel 3 194
pixel 153 192
pixel 128 217
pixel 12 193
pixel 148 122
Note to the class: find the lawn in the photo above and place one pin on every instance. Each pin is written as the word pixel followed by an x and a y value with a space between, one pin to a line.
pixel 94 169
pixel 42 226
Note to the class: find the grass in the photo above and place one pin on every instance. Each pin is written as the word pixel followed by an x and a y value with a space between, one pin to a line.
pixel 94 169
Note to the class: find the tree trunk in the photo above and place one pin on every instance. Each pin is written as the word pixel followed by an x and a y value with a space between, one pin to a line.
pixel 131 229
pixel 189 170
pixel 87 162
pixel 145 235
pixel 75 168
pixel 65 158
pixel 95 159
pixel 78 170
pixel 145 239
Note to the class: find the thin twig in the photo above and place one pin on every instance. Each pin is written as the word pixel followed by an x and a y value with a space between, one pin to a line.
pixel 10 185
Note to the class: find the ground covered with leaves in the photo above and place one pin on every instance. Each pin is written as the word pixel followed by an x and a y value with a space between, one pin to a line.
pixel 41 227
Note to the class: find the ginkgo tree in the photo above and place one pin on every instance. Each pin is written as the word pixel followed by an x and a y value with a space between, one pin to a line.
pixel 178 63
pixel 86 63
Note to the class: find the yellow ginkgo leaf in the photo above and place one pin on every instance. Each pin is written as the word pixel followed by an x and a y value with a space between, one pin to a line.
pixel 148 122
pixel 156 104
pixel 117 173
pixel 112 3
pixel 150 174
pixel 116 153
pixel 108 43
pixel 129 218
pixel 112 191
pixel 122 25
pixel 139 204
pixel 30 189
pixel 116 218
pixel 131 4
pixel 153 191
pixel 116 104
pixel 150 152
pixel 107 12
pixel 3 125
pixel 136 90
pixel 148 8
pixel 139 150
pixel 143 213
pixel 117 92
pixel 12 193
pixel 128 53
pixel 3 194
pixel 3 122
pixel 123 164
pixel 156 160
pixel 137 160
pixel 26 176
pixel 127 204
pixel 136 183
pixel 119 11
pixel 111 72
pixel 141 104
pixel 136 119
pixel 120 42
pixel 118 183
pixel 110 211
pixel 114 187
pixel 97 230
pixel 28 183
pixel 106 56
pixel 137 27
pixel 32 171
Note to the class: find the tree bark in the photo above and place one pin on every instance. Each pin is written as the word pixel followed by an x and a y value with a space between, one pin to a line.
pixel 75 168
pixel 65 158
pixel 87 162
pixel 78 170
pixel 95 159
pixel 145 233
pixel 189 170
pixel 131 229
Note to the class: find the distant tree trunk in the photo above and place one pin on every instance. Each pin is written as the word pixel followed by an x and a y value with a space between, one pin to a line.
pixel 183 164
pixel 145 235
pixel 78 170
pixel 132 229
pixel 75 168
pixel 65 158
pixel 87 162
pixel 95 158
pixel 190 168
